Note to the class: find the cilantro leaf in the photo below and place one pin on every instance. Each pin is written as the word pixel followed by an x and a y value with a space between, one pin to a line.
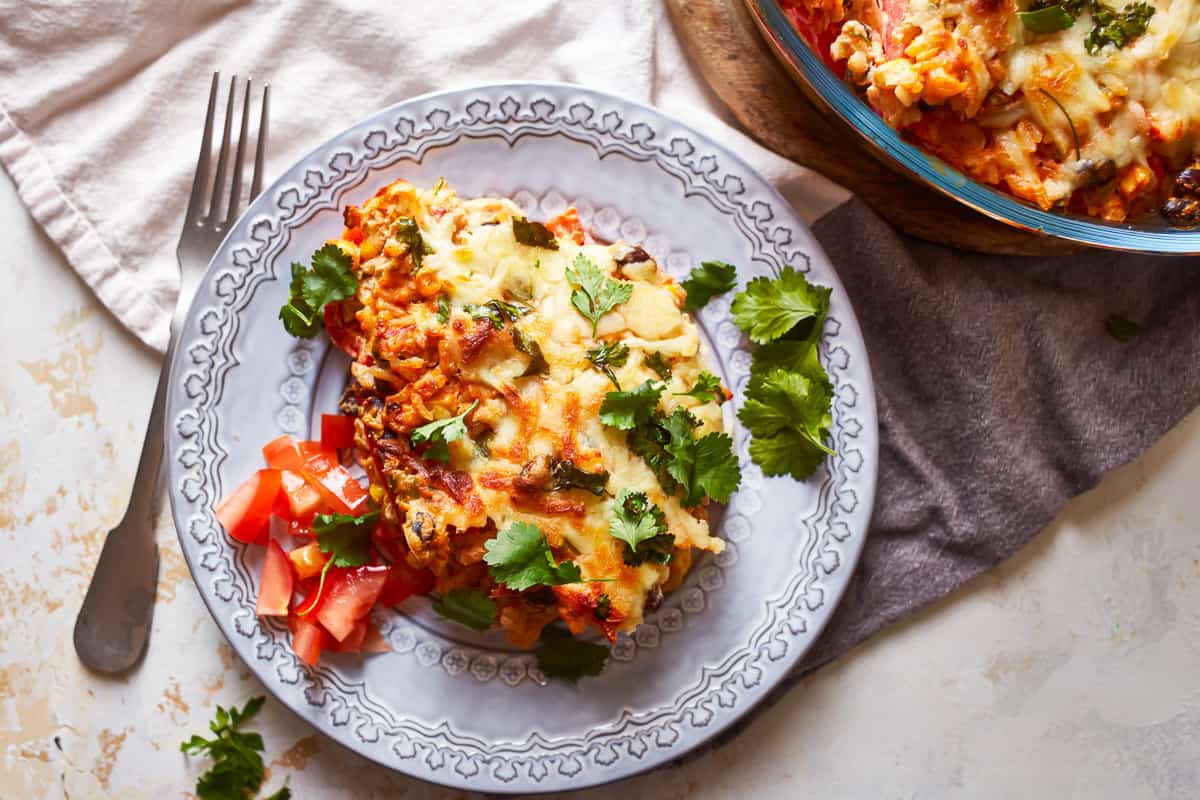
pixel 607 355
pixel 533 234
pixel 648 440
pixel 642 526
pixel 703 467
pixel 626 410
pixel 237 769
pixel 770 308
pixel 443 309
pixel 470 607
pixel 498 311
pixel 529 346
pixel 563 656
pixel 659 365
pixel 603 607
pixel 707 281
pixel 346 538
pixel 408 233
pixel 329 280
pixel 520 559
pixel 595 294
pixel 1117 28
pixel 707 389
pixel 789 415
pixel 1050 19
pixel 565 475
pixel 439 433
pixel 787 354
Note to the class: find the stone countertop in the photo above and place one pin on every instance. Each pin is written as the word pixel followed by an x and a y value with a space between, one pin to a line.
pixel 1071 671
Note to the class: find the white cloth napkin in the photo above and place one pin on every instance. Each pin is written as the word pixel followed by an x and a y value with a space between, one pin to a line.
pixel 101 104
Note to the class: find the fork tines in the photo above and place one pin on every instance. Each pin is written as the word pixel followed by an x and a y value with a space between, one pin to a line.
pixel 209 215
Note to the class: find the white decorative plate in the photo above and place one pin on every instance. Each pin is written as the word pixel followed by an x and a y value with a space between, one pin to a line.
pixel 467 710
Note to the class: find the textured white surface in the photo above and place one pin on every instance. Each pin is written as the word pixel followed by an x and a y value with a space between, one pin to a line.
pixel 1069 672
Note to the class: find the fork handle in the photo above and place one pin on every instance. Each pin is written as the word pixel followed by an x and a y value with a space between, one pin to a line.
pixel 113 626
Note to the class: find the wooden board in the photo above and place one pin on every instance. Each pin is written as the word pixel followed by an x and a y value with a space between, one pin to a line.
pixel 723 42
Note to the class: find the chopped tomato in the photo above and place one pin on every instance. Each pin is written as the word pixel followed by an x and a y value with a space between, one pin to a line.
pixel 335 483
pixel 374 642
pixel 282 453
pixel 404 582
pixel 349 596
pixel 310 448
pixel 303 501
pixel 300 529
pixel 275 584
pixel 354 641
pixel 307 639
pixel 245 513
pixel 337 431
pixel 308 561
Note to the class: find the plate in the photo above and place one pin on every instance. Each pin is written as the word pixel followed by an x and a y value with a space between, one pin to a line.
pixel 830 93
pixel 463 709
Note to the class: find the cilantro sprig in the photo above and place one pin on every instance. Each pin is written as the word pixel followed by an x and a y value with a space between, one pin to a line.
pixel 439 433
pixel 498 311
pixel 609 355
pixel 533 234
pixel 565 475
pixel 237 770
pixel 658 364
pixel 626 410
pixel 595 294
pixel 328 280
pixel 520 559
pixel 789 397
pixel 346 540
pixel 1109 26
pixel 707 389
pixel 561 655
pixel 470 607
pixel 642 526
pixel 707 281
pixel 408 233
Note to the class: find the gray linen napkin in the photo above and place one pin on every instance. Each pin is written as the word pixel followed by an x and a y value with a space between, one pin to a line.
pixel 1001 396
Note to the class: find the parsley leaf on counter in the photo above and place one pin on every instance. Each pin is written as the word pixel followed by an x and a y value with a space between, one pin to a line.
pixel 408 233
pixel 788 415
pixel 660 366
pixel 440 433
pixel 642 526
pixel 328 281
pixel 707 389
pixel 520 559
pixel 768 309
pixel 563 656
pixel 707 281
pixel 565 475
pixel 607 355
pixel 626 410
pixel 533 234
pixel 595 294
pixel 237 769
pixel 470 607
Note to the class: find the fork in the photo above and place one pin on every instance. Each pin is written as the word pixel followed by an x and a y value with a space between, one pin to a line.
pixel 113 625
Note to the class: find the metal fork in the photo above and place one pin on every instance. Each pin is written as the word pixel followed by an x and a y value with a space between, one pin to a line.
pixel 113 625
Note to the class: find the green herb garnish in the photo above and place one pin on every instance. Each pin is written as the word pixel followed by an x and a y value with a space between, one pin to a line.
pixel 443 309
pixel 329 280
pixel 440 433
pixel 771 308
pixel 595 294
pixel 408 233
pixel 470 607
pixel 346 540
pixel 529 346
pixel 788 416
pixel 607 355
pixel 520 559
pixel 658 365
pixel 707 281
pixel 642 526
pixel 498 311
pixel 237 770
pixel 533 234
pixel 565 475
pixel 626 410
pixel 563 656
pixel 707 389
pixel 1047 20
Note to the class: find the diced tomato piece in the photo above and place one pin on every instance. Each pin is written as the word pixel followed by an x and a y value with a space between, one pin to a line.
pixel 404 582
pixel 353 642
pixel 300 529
pixel 303 501
pixel 308 562
pixel 337 431
pixel 349 596
pixel 245 513
pixel 275 583
pixel 282 453
pixel 335 483
pixel 307 639
pixel 374 642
